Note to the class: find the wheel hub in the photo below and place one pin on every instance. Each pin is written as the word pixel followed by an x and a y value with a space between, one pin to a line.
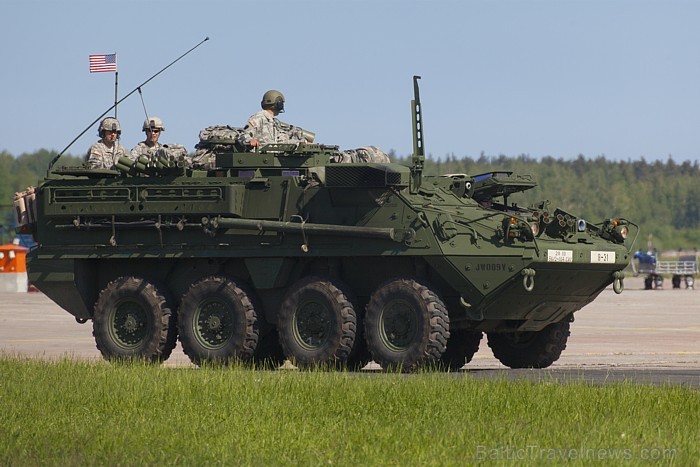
pixel 131 324
pixel 312 325
pixel 213 325
pixel 398 326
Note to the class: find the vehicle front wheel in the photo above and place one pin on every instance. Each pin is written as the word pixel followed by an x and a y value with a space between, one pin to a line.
pixel 317 323
pixel 530 349
pixel 406 325
pixel 133 320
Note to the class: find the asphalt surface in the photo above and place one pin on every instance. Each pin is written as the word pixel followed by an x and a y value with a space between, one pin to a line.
pixel 640 336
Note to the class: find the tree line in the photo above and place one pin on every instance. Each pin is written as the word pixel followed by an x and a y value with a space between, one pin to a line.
pixel 663 198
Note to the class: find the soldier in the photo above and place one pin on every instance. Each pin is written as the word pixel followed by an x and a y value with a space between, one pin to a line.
pixel 152 126
pixel 263 128
pixel 105 153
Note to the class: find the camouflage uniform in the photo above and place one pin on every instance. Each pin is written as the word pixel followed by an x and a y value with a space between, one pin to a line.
pixel 99 156
pixel 268 130
pixel 143 149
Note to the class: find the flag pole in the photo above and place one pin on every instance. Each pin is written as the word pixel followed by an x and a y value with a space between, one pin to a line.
pixel 116 87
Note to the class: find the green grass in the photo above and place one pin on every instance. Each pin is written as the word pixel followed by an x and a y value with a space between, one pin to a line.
pixel 70 412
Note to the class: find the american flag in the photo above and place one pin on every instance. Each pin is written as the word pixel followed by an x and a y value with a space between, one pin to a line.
pixel 103 62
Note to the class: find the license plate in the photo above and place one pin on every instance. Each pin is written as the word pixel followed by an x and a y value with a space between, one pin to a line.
pixel 560 256
pixel 605 257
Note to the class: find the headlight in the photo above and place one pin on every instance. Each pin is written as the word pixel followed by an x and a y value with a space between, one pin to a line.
pixel 621 231
pixel 615 229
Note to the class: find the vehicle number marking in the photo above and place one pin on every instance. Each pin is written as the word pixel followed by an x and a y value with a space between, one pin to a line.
pixel 602 257
pixel 560 256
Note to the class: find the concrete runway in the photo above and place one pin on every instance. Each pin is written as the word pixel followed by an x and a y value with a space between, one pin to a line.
pixel 644 336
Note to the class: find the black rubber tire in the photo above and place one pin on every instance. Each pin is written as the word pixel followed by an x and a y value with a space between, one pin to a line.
pixel 648 283
pixel 537 349
pixel 658 282
pixel 461 347
pixel 689 282
pixel 406 325
pixel 317 323
pixel 676 281
pixel 133 320
pixel 217 322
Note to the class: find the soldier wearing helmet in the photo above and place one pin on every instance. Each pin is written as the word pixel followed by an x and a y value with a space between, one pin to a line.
pixel 263 128
pixel 105 153
pixel 153 127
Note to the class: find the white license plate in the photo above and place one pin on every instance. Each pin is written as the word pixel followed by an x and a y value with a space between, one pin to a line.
pixel 560 256
pixel 602 257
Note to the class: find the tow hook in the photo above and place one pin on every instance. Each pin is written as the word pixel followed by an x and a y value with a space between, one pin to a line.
pixel 618 284
pixel 528 279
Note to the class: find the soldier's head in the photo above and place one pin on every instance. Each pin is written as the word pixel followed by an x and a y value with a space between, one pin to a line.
pixel 153 126
pixel 274 101
pixel 109 129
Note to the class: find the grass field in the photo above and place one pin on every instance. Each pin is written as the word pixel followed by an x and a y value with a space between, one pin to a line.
pixel 76 413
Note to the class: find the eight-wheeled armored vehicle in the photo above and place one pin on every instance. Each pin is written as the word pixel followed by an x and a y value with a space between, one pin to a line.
pixel 283 253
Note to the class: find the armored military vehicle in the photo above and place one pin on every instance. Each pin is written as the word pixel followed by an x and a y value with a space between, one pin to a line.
pixel 284 253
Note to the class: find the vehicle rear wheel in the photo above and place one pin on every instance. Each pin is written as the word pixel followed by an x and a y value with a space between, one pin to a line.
pixel 317 323
pixel 133 320
pixel 406 325
pixel 217 322
pixel 530 349
pixel 461 347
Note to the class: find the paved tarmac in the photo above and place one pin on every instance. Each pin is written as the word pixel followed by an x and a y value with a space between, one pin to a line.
pixel 644 336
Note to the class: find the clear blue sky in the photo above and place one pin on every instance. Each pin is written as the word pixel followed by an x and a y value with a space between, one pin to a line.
pixel 544 78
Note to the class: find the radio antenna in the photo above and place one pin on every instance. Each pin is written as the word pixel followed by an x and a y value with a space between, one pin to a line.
pixel 138 88
pixel 143 103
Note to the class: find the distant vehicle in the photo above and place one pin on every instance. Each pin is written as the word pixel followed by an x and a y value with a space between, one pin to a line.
pixel 682 270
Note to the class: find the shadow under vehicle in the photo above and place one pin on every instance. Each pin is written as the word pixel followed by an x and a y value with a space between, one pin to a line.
pixel 283 253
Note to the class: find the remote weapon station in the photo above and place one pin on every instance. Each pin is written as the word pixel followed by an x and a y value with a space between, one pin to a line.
pixel 283 253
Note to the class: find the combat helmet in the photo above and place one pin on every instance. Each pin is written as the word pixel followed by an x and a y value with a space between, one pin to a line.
pixel 273 100
pixel 153 122
pixel 111 124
